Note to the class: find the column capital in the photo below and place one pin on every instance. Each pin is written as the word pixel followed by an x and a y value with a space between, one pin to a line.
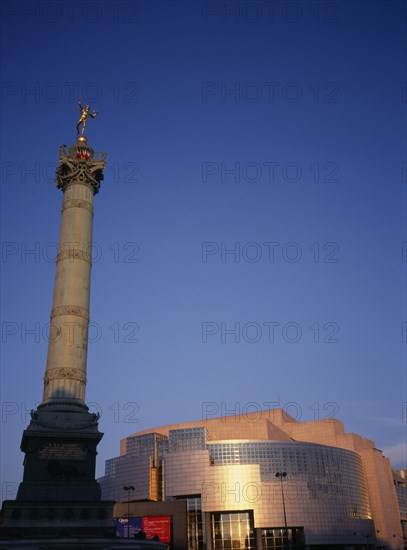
pixel 80 165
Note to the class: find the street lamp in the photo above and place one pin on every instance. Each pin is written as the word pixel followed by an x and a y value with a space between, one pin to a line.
pixel 128 489
pixel 282 475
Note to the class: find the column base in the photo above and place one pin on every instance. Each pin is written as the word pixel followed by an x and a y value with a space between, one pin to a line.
pixel 60 455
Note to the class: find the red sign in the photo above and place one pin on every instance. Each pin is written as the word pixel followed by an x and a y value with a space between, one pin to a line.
pixel 157 526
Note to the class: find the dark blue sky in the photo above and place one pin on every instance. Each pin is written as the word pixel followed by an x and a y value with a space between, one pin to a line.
pixel 254 183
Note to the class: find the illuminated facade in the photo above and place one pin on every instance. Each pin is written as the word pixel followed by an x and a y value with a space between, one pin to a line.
pixel 332 490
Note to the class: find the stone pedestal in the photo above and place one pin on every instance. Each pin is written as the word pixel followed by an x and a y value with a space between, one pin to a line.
pixel 60 455
pixel 59 495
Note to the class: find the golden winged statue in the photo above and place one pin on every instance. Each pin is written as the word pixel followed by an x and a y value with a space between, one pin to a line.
pixel 85 114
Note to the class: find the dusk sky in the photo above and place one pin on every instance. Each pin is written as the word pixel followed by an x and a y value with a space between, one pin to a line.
pixel 248 235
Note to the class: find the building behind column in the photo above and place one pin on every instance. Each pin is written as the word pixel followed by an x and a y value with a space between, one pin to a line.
pixel 338 490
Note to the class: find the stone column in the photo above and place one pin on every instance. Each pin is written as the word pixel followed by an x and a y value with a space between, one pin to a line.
pixel 79 176
pixel 59 495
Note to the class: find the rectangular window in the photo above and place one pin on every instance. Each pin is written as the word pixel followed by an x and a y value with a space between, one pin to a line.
pixel 280 538
pixel 233 531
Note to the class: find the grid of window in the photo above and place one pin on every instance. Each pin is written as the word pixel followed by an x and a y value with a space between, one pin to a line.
pixel 233 530
pixel 401 491
pixel 279 538
pixel 144 445
pixel 329 472
pixel 126 470
pixel 111 465
pixel 187 440
pixel 163 447
pixel 196 524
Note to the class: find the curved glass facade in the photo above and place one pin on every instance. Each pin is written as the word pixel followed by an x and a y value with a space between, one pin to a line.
pixel 225 469
pixel 327 471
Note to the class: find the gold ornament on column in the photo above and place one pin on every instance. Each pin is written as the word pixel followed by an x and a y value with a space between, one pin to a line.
pixel 85 114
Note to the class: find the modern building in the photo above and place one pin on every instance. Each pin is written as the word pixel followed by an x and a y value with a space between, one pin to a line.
pixel 263 481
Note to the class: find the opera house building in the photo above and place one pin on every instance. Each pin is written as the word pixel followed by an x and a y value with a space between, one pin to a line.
pixel 259 481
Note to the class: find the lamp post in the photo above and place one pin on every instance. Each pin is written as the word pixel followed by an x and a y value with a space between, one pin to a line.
pixel 281 476
pixel 128 489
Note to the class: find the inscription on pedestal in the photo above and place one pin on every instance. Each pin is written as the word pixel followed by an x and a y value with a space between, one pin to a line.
pixel 62 451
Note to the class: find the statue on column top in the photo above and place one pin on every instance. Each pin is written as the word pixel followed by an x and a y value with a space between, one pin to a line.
pixel 85 113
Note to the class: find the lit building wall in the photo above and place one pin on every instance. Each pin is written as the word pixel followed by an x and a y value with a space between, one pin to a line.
pixel 325 490
pixel 377 469
pixel 338 488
